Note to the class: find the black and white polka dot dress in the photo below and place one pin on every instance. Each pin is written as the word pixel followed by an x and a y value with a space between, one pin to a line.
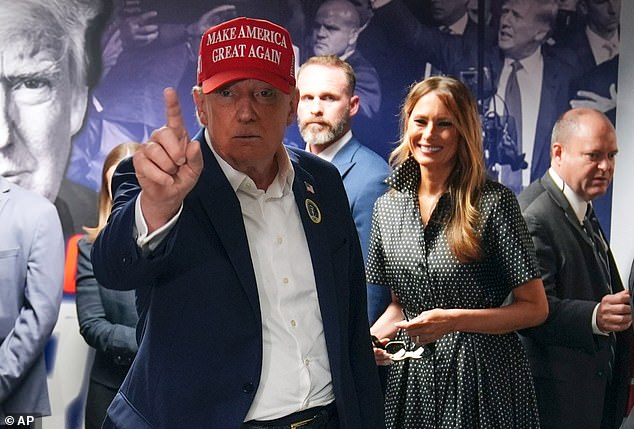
pixel 471 380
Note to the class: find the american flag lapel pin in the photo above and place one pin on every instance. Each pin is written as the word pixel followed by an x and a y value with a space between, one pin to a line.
pixel 311 207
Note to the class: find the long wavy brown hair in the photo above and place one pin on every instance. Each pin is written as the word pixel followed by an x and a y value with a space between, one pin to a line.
pixel 114 157
pixel 466 182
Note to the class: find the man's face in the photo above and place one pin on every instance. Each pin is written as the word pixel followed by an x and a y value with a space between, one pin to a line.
pixel 603 15
pixel 521 31
pixel 38 109
pixel 325 106
pixel 446 12
pixel 335 29
pixel 586 161
pixel 247 120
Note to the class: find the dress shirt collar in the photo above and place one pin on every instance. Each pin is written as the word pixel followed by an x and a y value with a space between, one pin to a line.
pixel 578 204
pixel 602 49
pixel 329 153
pixel 532 65
pixel 285 174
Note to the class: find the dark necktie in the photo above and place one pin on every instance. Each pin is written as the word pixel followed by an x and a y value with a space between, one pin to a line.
pixel 593 229
pixel 513 100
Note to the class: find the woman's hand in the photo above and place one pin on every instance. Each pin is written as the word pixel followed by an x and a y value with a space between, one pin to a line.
pixel 429 326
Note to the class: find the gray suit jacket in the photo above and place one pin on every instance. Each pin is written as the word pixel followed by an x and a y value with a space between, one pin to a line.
pixel 569 362
pixel 31 276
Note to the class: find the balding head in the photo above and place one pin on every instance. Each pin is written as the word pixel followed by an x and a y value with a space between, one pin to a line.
pixel 583 151
pixel 336 28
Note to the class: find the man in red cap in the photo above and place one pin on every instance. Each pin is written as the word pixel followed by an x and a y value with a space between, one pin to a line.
pixel 245 258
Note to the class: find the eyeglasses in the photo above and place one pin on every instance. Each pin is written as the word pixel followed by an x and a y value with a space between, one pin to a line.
pixel 399 350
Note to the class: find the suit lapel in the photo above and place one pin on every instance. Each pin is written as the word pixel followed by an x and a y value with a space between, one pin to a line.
pixel 222 206
pixel 343 159
pixel 560 199
pixel 309 198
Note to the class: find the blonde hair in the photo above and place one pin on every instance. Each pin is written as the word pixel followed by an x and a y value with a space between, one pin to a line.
pixel 114 157
pixel 467 180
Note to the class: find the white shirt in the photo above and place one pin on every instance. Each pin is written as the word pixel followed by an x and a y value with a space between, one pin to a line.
pixel 579 206
pixel 529 79
pixel 295 369
pixel 602 49
pixel 329 153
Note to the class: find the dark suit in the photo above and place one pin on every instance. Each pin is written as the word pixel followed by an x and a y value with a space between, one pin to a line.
pixel 598 80
pixel 107 321
pixel 199 361
pixel 570 362
pixel 577 51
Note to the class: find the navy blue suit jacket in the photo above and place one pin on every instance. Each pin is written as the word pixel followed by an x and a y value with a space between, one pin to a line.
pixel 200 355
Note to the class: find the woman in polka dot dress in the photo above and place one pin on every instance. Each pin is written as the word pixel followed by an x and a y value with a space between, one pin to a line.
pixel 452 246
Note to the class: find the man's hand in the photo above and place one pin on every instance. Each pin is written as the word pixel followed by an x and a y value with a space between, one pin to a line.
pixel 614 313
pixel 595 101
pixel 167 166
pixel 139 30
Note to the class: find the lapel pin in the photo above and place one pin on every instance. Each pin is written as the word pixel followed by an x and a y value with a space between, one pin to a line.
pixel 313 211
pixel 309 188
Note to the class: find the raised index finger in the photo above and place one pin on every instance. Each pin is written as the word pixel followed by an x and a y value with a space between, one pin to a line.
pixel 174 114
pixel 174 121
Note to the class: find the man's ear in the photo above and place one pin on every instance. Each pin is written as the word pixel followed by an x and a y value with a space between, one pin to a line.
pixel 354 105
pixel 294 100
pixel 78 104
pixel 555 153
pixel 354 35
pixel 200 112
pixel 542 34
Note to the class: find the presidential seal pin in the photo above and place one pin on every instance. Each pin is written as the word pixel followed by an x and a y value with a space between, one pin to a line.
pixel 313 211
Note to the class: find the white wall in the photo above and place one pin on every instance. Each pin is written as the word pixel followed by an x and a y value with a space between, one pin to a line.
pixel 622 232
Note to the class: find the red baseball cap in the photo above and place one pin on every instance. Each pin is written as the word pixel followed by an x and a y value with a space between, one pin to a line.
pixel 246 48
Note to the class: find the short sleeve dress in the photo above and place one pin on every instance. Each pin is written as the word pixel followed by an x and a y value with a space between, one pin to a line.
pixel 471 380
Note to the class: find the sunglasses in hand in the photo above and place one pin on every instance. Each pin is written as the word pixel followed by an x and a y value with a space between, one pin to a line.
pixel 398 350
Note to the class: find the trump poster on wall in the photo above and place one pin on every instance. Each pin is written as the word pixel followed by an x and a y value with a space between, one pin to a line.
pixel 113 62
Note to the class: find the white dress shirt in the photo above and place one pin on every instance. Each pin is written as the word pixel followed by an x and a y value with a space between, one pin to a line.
pixel 295 368
pixel 602 49
pixel 329 153
pixel 529 79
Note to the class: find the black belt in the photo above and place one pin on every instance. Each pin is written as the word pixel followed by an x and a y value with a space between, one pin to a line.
pixel 312 418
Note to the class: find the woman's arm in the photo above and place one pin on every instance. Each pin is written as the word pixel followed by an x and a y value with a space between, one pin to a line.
pixel 385 326
pixel 529 308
